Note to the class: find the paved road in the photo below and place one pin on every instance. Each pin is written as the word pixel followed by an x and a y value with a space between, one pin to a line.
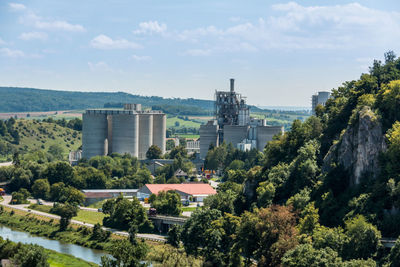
pixel 23 207
pixel 5 164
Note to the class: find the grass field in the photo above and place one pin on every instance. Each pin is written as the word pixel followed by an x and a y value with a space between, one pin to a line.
pixel 188 136
pixel 182 123
pixel 97 204
pixel 86 216
pixel 91 217
pixel 189 208
pixel 56 259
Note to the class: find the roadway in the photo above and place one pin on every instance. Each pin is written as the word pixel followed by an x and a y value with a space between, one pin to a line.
pixel 23 207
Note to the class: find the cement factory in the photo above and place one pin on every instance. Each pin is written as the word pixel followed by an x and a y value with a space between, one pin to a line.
pixel 131 130
pixel 233 124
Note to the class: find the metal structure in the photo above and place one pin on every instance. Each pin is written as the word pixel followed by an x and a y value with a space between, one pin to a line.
pixel 233 124
pixel 129 130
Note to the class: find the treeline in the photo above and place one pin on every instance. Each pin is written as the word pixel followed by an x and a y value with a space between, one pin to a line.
pixel 15 99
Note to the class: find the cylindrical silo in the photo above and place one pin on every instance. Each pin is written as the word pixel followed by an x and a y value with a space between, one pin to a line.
pixel 94 132
pixel 125 133
pixel 159 130
pixel 145 133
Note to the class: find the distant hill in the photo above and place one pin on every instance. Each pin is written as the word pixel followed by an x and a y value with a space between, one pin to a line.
pixel 16 99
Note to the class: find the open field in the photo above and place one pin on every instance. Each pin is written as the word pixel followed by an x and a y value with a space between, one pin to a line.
pixel 56 259
pixel 86 216
pixel 171 123
pixel 57 114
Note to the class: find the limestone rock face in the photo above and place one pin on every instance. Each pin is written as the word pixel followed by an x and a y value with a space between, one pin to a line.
pixel 358 148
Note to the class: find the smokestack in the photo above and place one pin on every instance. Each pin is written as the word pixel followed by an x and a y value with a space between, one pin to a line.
pixel 232 85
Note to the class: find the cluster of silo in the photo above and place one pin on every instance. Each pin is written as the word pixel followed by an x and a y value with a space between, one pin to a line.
pixel 130 131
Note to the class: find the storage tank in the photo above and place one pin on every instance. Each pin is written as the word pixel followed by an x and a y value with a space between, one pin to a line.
pixel 208 135
pixel 265 134
pixel 235 134
pixel 145 133
pixel 94 132
pixel 159 130
pixel 125 134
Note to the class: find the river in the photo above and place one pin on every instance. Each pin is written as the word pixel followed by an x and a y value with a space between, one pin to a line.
pixel 87 254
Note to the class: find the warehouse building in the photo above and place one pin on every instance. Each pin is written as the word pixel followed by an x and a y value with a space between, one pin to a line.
pixel 191 191
pixel 129 130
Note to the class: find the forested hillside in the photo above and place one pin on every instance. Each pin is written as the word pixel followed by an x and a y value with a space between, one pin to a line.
pixel 15 99
pixel 323 194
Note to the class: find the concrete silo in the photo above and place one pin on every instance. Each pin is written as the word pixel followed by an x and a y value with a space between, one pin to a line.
pixel 94 133
pixel 125 133
pixel 208 136
pixel 266 133
pixel 159 130
pixel 145 133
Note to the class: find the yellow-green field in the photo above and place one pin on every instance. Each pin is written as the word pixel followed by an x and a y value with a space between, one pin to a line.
pixel 56 259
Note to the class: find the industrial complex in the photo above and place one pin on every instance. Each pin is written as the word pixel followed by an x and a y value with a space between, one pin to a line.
pixel 129 130
pixel 233 124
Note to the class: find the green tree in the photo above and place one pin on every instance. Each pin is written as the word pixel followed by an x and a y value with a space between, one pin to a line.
pixel 223 201
pixel 66 212
pixel 154 152
pixel 126 254
pixel 394 256
pixel 56 151
pixel 265 194
pixel 194 230
pixel 174 235
pixel 123 213
pixel 41 189
pixel 167 203
pixel 31 255
pixel 364 238
pixel 306 256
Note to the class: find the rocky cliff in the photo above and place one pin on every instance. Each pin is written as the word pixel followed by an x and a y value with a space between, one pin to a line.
pixel 359 147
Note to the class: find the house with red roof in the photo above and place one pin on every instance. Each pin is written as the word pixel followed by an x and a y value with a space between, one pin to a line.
pixel 195 191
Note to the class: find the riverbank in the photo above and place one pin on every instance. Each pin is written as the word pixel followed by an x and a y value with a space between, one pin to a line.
pixel 56 259
pixel 44 226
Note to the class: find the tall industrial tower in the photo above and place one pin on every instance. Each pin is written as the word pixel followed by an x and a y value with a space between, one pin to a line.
pixel 230 109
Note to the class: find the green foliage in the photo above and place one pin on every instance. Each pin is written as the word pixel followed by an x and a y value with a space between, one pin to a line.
pixel 306 256
pixel 126 254
pixel 99 234
pixel 194 230
pixel 123 213
pixel 174 235
pixel 265 194
pixel 154 152
pixel 20 197
pixel 394 256
pixel 66 212
pixel 167 203
pixel 41 189
pixel 223 201
pixel 31 255
pixel 363 239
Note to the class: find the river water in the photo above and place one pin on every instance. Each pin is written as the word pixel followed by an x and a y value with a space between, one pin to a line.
pixel 84 253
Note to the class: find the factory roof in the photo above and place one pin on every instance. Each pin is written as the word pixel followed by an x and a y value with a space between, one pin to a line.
pixel 190 189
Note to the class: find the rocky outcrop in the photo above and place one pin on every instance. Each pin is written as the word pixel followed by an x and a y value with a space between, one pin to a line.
pixel 358 148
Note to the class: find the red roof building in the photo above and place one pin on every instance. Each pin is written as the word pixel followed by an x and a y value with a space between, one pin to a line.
pixel 198 191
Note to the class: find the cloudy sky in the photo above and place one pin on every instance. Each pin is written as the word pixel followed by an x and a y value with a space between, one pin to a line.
pixel 279 52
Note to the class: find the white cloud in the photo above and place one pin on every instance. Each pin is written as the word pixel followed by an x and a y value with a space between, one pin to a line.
pixel 16 6
pixel 2 42
pixel 7 52
pixel 141 58
pixel 31 19
pixel 99 67
pixel 104 42
pixel 294 26
pixel 33 36
pixel 150 27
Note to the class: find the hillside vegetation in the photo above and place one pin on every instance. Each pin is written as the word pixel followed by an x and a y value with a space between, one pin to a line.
pixel 42 137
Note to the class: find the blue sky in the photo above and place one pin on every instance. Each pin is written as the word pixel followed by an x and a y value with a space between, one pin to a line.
pixel 279 52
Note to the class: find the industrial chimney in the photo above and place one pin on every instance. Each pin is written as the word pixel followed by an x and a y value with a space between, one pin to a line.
pixel 232 85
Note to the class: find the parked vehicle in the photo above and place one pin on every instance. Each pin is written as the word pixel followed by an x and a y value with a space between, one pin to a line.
pixel 185 202
pixel 152 212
